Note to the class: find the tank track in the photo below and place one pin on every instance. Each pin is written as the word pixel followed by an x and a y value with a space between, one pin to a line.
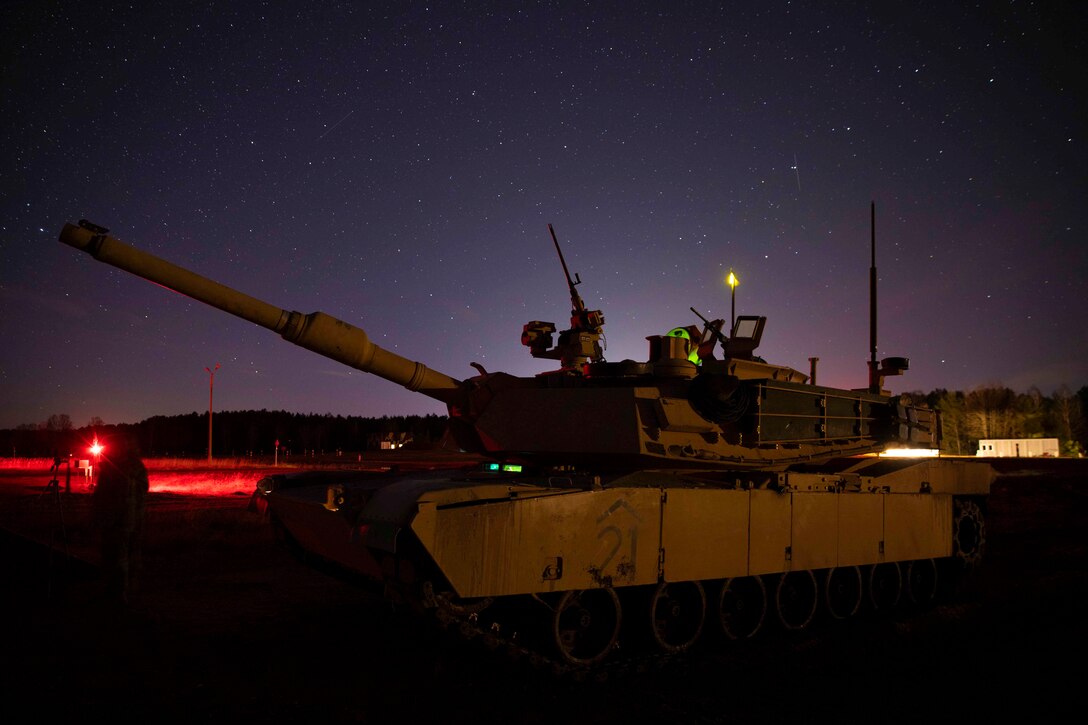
pixel 504 634
pixel 508 643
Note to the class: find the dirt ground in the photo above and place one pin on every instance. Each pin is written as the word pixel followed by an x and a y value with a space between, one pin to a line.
pixel 228 626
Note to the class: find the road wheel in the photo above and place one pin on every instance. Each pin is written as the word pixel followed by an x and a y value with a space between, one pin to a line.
pixel 922 582
pixel 677 611
pixel 842 591
pixel 885 585
pixel 796 598
pixel 742 606
pixel 585 625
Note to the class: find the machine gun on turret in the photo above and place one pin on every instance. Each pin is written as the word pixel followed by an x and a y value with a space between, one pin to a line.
pixel 577 346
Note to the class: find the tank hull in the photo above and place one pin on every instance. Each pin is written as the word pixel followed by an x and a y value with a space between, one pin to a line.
pixel 484 537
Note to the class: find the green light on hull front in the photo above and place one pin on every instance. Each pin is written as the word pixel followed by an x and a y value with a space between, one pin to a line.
pixel 504 467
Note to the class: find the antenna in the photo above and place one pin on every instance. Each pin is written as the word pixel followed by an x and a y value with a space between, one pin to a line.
pixel 890 365
pixel 874 373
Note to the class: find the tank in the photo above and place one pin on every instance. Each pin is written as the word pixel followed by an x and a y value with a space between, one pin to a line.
pixel 639 502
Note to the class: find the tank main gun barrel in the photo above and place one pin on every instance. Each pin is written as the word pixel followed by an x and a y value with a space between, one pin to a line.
pixel 317 331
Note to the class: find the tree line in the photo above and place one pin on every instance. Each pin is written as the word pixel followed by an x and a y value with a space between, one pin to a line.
pixel 987 412
pixel 234 434
pixel 997 412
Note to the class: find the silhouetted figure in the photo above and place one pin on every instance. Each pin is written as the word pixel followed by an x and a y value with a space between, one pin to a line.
pixel 120 498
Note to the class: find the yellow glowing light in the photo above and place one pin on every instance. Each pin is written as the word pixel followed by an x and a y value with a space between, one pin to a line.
pixel 732 280
pixel 910 453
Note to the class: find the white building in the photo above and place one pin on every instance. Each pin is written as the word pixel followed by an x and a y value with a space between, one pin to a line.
pixel 1018 448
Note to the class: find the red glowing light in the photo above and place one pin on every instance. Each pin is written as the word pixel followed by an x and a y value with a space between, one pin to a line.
pixel 95 448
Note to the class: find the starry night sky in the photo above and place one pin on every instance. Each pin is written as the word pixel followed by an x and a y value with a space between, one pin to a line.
pixel 396 165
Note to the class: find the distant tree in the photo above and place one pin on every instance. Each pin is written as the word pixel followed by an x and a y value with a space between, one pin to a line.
pixel 954 435
pixel 993 412
pixel 1080 428
pixel 59 422
pixel 1032 413
pixel 1068 420
pixel 95 422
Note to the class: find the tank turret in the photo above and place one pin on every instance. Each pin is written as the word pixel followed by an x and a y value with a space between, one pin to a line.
pixel 683 407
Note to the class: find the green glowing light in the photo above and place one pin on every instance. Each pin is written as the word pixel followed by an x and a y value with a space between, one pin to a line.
pixel 505 467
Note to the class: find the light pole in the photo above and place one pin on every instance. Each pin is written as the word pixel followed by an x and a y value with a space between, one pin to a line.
pixel 732 281
pixel 211 387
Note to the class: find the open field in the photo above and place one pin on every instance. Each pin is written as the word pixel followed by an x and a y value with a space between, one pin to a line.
pixel 228 626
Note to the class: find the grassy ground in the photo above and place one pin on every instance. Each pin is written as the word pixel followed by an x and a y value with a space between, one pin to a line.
pixel 228 626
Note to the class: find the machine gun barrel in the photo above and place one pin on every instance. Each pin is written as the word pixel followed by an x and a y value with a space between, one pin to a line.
pixel 317 331
pixel 714 329
pixel 575 299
